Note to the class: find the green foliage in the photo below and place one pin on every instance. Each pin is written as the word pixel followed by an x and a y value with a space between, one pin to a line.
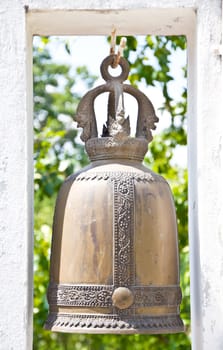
pixel 58 154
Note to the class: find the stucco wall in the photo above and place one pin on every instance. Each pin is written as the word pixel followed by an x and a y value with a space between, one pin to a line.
pixel 201 21
pixel 15 181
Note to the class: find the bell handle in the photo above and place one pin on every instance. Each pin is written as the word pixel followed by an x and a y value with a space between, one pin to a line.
pixel 146 118
pixel 85 114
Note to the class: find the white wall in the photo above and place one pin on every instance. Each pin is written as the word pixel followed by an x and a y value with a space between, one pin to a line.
pixel 15 180
pixel 206 174
pixel 201 21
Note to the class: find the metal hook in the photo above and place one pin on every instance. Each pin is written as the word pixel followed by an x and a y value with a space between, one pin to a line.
pixel 113 41
pixel 121 48
pixel 120 52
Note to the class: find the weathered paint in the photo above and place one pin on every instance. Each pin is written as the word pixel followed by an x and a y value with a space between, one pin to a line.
pixel 201 21
pixel 206 170
pixel 16 180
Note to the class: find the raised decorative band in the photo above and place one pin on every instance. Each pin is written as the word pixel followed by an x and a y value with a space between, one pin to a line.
pixel 116 175
pixel 90 323
pixel 101 295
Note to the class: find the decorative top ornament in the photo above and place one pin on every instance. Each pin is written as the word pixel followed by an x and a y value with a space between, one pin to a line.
pixel 116 131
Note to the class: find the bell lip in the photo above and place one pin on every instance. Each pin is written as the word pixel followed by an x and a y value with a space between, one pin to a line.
pixel 55 323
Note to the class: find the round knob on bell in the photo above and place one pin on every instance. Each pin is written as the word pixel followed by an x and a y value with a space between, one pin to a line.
pixel 122 298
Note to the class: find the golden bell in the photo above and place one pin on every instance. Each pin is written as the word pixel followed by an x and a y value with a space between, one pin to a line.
pixel 114 258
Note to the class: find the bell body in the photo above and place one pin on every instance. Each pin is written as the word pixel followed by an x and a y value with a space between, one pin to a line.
pixel 114 259
pixel 114 256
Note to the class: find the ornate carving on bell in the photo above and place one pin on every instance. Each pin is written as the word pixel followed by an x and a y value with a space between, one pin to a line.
pixel 114 258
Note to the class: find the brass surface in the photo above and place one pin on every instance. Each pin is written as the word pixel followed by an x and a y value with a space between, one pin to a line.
pixel 114 258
